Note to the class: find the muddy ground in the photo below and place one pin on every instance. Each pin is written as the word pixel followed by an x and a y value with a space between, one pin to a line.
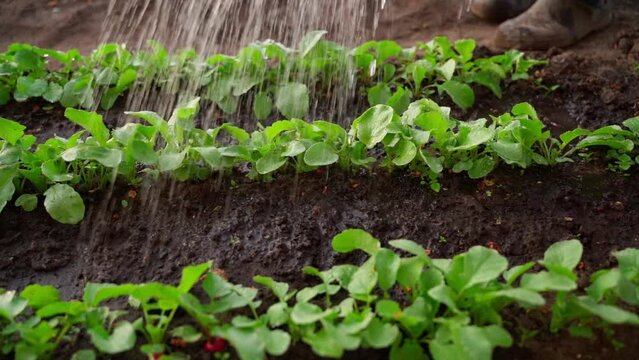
pixel 277 228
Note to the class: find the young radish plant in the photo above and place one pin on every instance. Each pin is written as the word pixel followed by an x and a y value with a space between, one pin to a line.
pixel 424 139
pixel 398 299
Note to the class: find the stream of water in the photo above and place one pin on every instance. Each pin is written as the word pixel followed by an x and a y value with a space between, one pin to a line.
pixel 224 26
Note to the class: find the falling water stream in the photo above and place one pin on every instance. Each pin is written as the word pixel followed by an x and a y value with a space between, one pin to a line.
pixel 224 26
pixel 212 27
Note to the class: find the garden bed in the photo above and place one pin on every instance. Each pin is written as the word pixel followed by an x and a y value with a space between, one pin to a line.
pixel 149 233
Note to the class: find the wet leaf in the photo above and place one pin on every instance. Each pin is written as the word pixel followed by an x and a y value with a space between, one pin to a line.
pixel 64 204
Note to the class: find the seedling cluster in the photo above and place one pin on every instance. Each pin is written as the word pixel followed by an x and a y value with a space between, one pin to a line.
pixel 424 139
pixel 439 308
pixel 270 75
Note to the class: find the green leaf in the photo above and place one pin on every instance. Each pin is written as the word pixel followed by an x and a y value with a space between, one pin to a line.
pixel 187 333
pixel 27 87
pixel 91 122
pixel 109 98
pixel 461 94
pixel 192 274
pixel 70 308
pixel 409 271
pixel 632 124
pixel 628 262
pixel 465 48
pixel 108 157
pixel 320 154
pixel 410 349
pixel 472 134
pixel 228 104
pixel 236 133
pixel 387 49
pixel 246 342
pixel 522 296
pixel 279 289
pixel 276 342
pixel 5 95
pixel 400 100
pixel 404 152
pixel 445 295
pixel 479 342
pixel 11 131
pixel 379 335
pixel 609 313
pixel 277 314
pixel 40 295
pixel 386 264
pixel 122 339
pixel 602 282
pixel 388 309
pixel 564 254
pixel 127 78
pixel 53 93
pixel 293 149
pixel 292 100
pixel 94 294
pixel 269 163
pixel 372 126
pixel 27 202
pixel 11 305
pixel 448 69
pixel 481 167
pixel 155 120
pixel 490 80
pixel 309 41
pixel 171 161
pixel 64 204
pixel 143 152
pixel 325 344
pixel 410 247
pixel 478 265
pixel 517 271
pixel 547 281
pixel 571 135
pixel 378 94
pixel 56 171
pixel 262 105
pixel 510 152
pixel 364 279
pixel 306 313
pixel 7 188
pixel 355 239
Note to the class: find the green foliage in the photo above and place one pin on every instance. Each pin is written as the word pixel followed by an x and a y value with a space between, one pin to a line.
pixel 268 72
pixel 424 139
pixel 449 309
pixel 434 68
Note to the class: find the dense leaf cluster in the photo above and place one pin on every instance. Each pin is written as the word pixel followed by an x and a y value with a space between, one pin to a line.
pixel 271 75
pixel 440 309
pixel 424 139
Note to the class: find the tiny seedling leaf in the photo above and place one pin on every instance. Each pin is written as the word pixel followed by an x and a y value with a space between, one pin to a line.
pixel 355 239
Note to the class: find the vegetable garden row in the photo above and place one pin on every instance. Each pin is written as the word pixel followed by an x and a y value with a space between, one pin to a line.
pixel 398 300
pixel 446 308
